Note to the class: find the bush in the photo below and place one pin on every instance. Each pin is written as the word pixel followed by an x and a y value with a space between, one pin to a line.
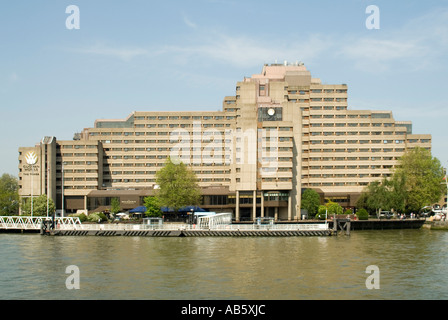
pixel 321 213
pixel 82 217
pixel 362 214
pixel 95 216
pixel 348 211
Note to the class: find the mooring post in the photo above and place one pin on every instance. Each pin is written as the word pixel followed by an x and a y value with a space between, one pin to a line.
pixel 342 224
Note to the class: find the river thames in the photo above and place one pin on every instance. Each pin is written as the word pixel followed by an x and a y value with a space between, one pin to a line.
pixel 411 264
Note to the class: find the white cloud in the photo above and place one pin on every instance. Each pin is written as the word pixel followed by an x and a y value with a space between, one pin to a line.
pixel 189 23
pixel 418 44
pixel 124 53
pixel 243 51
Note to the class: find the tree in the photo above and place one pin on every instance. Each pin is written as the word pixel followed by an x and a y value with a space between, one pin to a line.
pixel 9 196
pixel 421 176
pixel 388 194
pixel 417 182
pixel 330 208
pixel 362 214
pixel 334 208
pixel 321 213
pixel 39 206
pixel 152 207
pixel 310 201
pixel 115 206
pixel 178 186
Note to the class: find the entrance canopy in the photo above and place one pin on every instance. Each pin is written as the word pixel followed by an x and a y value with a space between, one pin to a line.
pixel 140 209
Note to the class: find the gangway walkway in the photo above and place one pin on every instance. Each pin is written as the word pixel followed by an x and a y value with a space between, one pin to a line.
pixel 35 223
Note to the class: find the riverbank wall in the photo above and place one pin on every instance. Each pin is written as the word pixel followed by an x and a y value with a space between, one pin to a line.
pixel 436 225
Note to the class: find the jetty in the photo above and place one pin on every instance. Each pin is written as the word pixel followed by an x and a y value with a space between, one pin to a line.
pixel 218 225
pixel 207 226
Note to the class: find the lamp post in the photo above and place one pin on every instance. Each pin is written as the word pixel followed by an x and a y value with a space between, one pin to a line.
pixel 48 189
pixel 32 188
pixel 62 189
pixel 446 182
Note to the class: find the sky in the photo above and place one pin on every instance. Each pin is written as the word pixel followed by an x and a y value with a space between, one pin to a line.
pixel 188 55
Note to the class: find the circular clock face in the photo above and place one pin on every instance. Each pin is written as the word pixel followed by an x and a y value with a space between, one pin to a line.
pixel 271 111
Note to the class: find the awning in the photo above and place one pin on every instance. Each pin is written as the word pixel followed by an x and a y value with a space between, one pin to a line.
pixel 140 209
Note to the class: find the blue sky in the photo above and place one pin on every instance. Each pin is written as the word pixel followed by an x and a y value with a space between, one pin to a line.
pixel 188 55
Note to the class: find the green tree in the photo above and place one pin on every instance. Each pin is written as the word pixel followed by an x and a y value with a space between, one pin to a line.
pixel 115 205
pixel 321 212
pixel 310 201
pixel 152 207
pixel 375 197
pixel 421 175
pixel 362 214
pixel 334 208
pixel 178 186
pixel 9 195
pixel 417 182
pixel 39 206
pixel 330 208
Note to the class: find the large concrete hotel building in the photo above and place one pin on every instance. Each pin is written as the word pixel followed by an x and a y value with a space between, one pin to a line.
pixel 282 132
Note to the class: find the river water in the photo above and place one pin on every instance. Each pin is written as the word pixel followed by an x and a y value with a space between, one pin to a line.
pixel 411 264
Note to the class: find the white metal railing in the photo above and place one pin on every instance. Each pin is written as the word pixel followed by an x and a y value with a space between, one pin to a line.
pixel 221 222
pixel 34 223
pixel 213 221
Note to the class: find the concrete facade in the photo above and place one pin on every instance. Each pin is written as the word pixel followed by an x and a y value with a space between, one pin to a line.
pixel 282 132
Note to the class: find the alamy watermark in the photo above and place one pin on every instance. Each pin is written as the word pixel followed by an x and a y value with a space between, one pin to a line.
pixel 373 20
pixel 373 280
pixel 215 147
pixel 73 280
pixel 73 20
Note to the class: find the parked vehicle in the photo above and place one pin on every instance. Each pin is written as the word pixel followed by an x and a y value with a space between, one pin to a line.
pixel 384 215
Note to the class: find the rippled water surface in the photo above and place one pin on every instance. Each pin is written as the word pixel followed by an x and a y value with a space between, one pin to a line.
pixel 412 265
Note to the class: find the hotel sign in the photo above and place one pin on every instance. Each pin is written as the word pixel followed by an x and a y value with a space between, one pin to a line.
pixel 31 160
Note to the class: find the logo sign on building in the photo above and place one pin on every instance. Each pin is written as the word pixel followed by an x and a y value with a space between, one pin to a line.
pixel 31 158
